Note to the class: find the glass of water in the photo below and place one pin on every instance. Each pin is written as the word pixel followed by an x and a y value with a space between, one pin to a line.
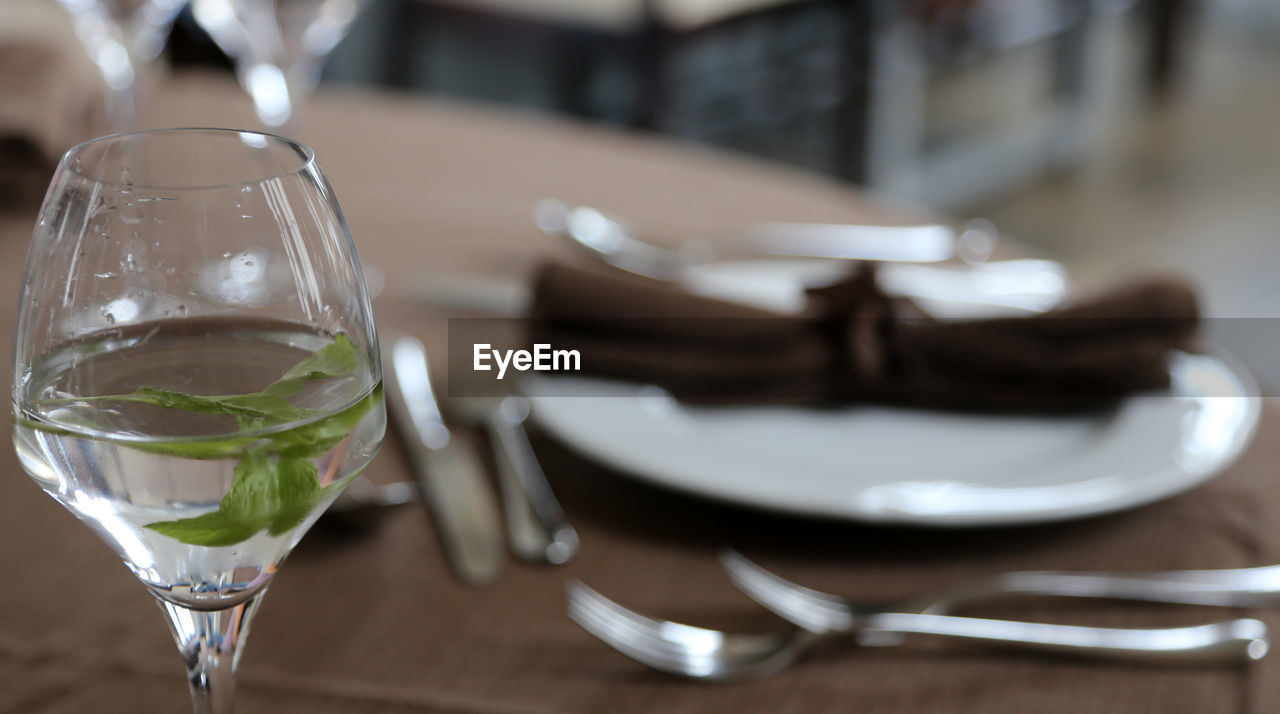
pixel 196 371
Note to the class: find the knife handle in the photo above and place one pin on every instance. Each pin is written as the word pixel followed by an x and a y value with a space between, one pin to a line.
pixel 536 525
pixel 449 472
pixel 463 508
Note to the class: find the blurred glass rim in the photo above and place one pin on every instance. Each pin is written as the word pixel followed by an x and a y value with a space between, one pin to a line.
pixel 254 139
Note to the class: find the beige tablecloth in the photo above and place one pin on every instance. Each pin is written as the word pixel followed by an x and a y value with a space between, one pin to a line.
pixel 365 618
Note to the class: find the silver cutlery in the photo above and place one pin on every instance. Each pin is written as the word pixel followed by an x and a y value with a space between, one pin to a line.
pixel 972 287
pixel 449 472
pixel 700 653
pixel 825 613
pixel 610 240
pixel 537 529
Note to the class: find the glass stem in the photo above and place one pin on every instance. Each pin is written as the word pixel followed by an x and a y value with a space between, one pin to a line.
pixel 210 643
pixel 103 38
pixel 278 86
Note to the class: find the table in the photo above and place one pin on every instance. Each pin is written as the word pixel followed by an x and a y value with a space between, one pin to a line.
pixel 365 618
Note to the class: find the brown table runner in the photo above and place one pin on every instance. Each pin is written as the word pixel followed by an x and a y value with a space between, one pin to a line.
pixel 365 618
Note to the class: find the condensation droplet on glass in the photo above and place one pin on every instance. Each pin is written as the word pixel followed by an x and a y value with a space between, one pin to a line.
pixel 170 270
pixel 246 189
pixel 182 309
pixel 99 224
pixel 106 276
pixel 227 254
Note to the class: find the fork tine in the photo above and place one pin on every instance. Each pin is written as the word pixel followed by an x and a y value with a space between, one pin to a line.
pixel 662 661
pixel 813 610
pixel 620 634
pixel 619 622
pixel 664 629
pixel 659 635
pixel 639 637
pixel 616 634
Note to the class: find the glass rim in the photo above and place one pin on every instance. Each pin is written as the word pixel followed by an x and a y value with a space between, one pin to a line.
pixel 307 155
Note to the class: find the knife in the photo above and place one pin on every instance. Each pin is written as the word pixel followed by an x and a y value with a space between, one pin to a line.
pixel 536 525
pixel 448 472
pixel 609 239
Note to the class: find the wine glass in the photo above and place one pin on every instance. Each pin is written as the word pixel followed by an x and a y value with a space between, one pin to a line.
pixel 196 372
pixel 122 37
pixel 278 46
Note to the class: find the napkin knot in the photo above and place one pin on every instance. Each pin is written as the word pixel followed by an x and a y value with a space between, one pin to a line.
pixel 859 320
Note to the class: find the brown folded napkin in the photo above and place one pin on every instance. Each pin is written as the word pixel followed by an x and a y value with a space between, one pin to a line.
pixel 51 97
pixel 854 343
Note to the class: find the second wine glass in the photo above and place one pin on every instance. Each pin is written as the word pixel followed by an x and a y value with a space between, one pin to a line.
pixel 123 37
pixel 278 47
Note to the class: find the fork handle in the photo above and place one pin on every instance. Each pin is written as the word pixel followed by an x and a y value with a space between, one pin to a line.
pixel 1241 640
pixel 1229 587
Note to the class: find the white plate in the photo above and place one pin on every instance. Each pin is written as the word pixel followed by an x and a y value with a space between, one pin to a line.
pixel 999 288
pixel 907 466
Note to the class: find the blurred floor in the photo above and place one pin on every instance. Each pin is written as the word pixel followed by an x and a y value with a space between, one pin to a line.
pixel 1190 184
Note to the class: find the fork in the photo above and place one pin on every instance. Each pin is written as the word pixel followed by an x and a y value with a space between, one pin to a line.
pixel 825 613
pixel 699 653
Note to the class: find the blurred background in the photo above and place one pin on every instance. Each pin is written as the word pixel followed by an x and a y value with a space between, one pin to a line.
pixel 1112 133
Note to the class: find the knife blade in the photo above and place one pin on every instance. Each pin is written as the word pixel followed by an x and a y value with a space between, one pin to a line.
pixel 905 244
pixel 610 239
pixel 449 472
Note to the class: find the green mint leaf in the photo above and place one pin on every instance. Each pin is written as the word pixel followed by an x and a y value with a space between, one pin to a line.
pixel 318 437
pixel 252 497
pixel 251 411
pixel 275 410
pixel 196 403
pixel 202 450
pixel 335 359
pixel 211 530
pixel 288 519
pixel 276 484
pixel 297 483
